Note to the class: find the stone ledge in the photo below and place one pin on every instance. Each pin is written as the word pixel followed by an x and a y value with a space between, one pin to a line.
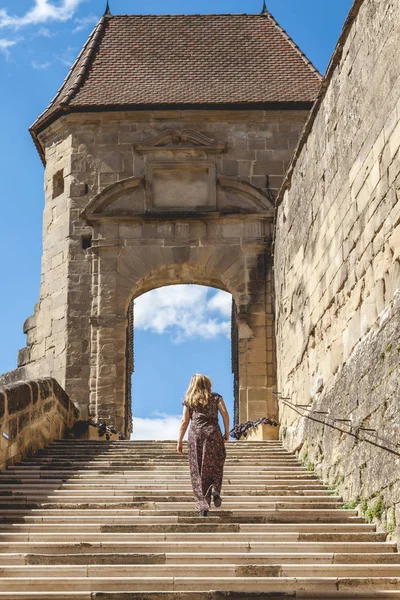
pixel 32 414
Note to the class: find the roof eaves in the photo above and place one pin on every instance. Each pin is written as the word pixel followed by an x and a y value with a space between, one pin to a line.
pixel 89 48
pixel 295 47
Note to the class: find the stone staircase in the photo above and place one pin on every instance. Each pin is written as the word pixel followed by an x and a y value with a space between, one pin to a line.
pixel 116 520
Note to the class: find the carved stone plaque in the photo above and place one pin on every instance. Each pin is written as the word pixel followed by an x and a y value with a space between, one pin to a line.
pixel 180 186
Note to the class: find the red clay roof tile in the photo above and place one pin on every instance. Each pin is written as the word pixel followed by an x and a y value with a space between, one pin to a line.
pixel 169 60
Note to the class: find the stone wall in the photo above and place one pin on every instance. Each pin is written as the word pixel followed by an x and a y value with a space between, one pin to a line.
pixel 96 151
pixel 44 354
pixel 337 265
pixel 32 414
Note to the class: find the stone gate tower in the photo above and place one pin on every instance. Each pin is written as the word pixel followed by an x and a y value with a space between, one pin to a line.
pixel 163 151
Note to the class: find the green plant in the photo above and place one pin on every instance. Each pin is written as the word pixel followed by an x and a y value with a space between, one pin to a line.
pixel 303 457
pixel 364 506
pixel 391 522
pixel 351 504
pixel 376 510
pixel 331 487
pixel 310 466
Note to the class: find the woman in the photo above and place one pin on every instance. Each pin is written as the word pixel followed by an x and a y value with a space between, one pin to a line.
pixel 206 443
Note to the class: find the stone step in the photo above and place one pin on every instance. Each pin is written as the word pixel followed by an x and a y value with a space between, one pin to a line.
pixel 145 481
pixel 125 469
pixel 50 454
pixel 307 486
pixel 161 524
pixel 322 585
pixel 201 570
pixel 227 490
pixel 191 595
pixel 161 454
pixel 245 515
pixel 232 463
pixel 166 463
pixel 176 506
pixel 106 495
pixel 189 533
pixel 147 478
pixel 103 462
pixel 72 544
pixel 188 558
pixel 108 489
pixel 156 443
pixel 145 475
pixel 303 476
pixel 232 449
pixel 234 459
pixel 116 520
pixel 153 446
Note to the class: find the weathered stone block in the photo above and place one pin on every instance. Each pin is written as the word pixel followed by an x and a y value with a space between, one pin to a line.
pixel 19 397
pixel 2 404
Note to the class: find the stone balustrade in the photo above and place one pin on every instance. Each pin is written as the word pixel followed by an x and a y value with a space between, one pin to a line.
pixel 32 414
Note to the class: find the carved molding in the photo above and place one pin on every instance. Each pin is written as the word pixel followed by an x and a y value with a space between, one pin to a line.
pixel 110 194
pixel 216 196
pixel 178 141
pixel 258 199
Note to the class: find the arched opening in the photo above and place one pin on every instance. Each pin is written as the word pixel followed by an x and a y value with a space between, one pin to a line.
pixel 173 332
pixel 130 260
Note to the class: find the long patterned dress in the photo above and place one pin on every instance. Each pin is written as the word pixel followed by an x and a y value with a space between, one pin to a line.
pixel 206 451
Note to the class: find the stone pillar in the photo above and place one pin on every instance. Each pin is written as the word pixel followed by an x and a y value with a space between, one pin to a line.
pixel 108 342
pixel 257 362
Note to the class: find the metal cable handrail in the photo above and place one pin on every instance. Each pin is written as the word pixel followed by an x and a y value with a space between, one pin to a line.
pixel 360 433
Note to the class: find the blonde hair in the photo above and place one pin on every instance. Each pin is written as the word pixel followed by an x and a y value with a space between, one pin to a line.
pixel 199 391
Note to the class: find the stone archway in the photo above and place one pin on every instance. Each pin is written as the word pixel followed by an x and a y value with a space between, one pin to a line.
pixel 157 281
pixel 180 223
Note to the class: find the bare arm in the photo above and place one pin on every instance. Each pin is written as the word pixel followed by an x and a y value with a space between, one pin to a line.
pixel 182 430
pixel 225 417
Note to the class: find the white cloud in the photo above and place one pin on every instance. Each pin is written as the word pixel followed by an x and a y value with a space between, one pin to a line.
pixel 41 66
pixel 42 12
pixel 85 22
pixel 44 32
pixel 5 45
pixel 185 312
pixel 221 301
pixel 162 427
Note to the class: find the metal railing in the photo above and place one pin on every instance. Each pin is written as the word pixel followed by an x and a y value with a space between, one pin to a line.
pixel 363 434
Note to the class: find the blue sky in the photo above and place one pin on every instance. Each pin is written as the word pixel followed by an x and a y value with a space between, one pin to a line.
pixel 39 40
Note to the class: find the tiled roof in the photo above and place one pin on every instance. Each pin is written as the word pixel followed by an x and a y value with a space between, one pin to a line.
pixel 186 60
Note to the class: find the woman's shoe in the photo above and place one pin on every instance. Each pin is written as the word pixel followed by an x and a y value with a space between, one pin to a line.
pixel 216 497
pixel 204 513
